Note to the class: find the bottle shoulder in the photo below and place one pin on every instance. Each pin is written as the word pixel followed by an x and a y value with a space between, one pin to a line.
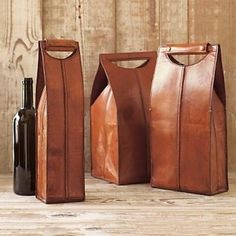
pixel 24 114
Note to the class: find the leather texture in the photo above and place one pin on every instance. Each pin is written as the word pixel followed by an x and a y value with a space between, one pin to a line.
pixel 188 122
pixel 119 119
pixel 60 124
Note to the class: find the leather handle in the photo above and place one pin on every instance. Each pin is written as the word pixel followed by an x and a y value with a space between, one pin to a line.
pixel 59 45
pixel 127 56
pixel 187 49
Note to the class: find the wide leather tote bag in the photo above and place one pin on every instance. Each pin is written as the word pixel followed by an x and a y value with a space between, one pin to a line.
pixel 60 124
pixel 188 121
pixel 119 119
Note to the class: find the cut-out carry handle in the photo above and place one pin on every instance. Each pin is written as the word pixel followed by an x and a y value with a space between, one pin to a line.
pixel 114 57
pixel 62 45
pixel 187 49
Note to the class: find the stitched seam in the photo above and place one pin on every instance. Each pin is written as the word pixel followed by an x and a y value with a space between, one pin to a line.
pixel 67 133
pixel 105 131
pixel 217 172
pixel 39 119
pixel 65 128
pixel 145 118
pixel 210 106
pixel 152 162
pixel 45 81
pixel 118 142
pixel 42 132
pixel 180 96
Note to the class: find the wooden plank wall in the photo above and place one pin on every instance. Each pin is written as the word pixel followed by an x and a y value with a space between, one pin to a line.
pixel 108 26
pixel 20 30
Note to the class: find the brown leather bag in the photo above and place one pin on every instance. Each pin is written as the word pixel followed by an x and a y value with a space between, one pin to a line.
pixel 119 119
pixel 60 121
pixel 188 122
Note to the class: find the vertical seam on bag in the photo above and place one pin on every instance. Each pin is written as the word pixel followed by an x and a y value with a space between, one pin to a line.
pixel 65 128
pixel 180 97
pixel 67 133
pixel 105 132
pixel 217 172
pixel 118 140
pixel 144 115
pixel 42 131
pixel 210 107
pixel 150 132
pixel 45 81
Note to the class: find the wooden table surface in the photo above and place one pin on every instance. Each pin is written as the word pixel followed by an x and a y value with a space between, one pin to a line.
pixel 119 210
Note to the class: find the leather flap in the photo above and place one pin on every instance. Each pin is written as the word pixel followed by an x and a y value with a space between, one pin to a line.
pixel 126 56
pixel 59 45
pixel 187 49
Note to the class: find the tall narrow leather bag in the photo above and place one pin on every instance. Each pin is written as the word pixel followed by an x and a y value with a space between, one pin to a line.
pixel 188 121
pixel 60 124
pixel 119 119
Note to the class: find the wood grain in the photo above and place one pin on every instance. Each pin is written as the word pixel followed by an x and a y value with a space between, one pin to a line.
pixel 59 19
pixel 214 22
pixel 96 20
pixel 120 210
pixel 137 27
pixel 108 26
pixel 174 23
pixel 20 30
pixel 95 31
pixel 231 84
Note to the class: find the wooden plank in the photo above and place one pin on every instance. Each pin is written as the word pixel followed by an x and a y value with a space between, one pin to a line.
pixel 120 210
pixel 59 19
pixel 231 84
pixel 207 21
pixel 214 22
pixel 96 20
pixel 137 27
pixel 174 23
pixel 81 21
pixel 59 22
pixel 20 30
pixel 117 26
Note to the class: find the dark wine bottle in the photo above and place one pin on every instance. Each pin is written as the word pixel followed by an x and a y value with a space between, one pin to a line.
pixel 24 142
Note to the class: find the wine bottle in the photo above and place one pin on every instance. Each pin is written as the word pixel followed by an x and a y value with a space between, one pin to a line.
pixel 24 143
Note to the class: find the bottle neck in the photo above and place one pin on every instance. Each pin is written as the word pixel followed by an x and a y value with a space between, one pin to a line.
pixel 27 94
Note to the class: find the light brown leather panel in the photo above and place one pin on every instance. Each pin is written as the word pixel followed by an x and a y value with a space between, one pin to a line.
pixel 63 161
pixel 188 123
pixel 42 150
pixel 111 161
pixel 219 121
pixel 195 126
pixel 164 128
pixel 55 128
pixel 130 88
pixel 75 128
pixel 105 139
pixel 98 138
pixel 132 127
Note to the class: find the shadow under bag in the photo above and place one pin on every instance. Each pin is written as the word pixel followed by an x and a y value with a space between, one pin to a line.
pixel 188 122
pixel 119 119
pixel 60 124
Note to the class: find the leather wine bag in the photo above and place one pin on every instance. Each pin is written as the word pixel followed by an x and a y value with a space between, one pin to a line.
pixel 188 121
pixel 59 124
pixel 119 118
